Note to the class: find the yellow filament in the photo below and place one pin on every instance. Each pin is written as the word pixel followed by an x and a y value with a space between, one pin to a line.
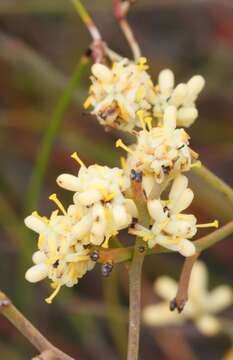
pixel 77 158
pixel 87 103
pixel 107 214
pixel 197 164
pixel 119 143
pixel 167 202
pixel 54 198
pixel 54 214
pixel 140 114
pixel 215 224
pixel 148 121
pixel 142 63
pixel 114 66
pixel 140 93
pixel 49 300
pixel 123 163
pixel 183 216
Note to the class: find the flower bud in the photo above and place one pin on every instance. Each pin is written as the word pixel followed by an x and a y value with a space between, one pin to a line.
pixel 208 325
pixel 186 116
pixel 68 182
pixel 195 86
pixel 81 228
pixel 38 257
pixel 101 72
pixel 120 216
pixel 169 119
pixel 182 202
pixel 37 273
pixel 178 95
pixel 166 81
pixel 165 287
pixel 89 197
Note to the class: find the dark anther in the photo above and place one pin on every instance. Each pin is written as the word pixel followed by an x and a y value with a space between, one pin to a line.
pixel 55 265
pixel 141 249
pixel 172 305
pixel 87 246
pixel 95 255
pixel 166 169
pixel 166 209
pixel 134 222
pixel 106 269
pixel 136 175
pixel 181 147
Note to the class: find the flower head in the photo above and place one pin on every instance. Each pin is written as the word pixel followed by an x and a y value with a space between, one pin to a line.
pixel 171 228
pixel 60 257
pixel 183 97
pixel 117 94
pixel 162 152
pixel 202 305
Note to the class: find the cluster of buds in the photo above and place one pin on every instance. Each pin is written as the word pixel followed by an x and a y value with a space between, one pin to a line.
pixel 118 93
pixel 125 98
pixel 202 307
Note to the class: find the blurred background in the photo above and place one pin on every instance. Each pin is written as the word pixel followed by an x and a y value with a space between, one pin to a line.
pixel 41 43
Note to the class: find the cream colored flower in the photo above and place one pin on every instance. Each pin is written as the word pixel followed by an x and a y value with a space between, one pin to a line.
pixel 99 196
pixel 201 308
pixel 162 152
pixel 171 228
pixel 60 257
pixel 117 94
pixel 183 97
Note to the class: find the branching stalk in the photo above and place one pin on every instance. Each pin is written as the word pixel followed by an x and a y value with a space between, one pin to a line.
pixel 120 14
pixel 28 330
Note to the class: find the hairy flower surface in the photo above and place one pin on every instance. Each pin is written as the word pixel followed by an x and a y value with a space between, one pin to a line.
pixel 202 305
pixel 162 152
pixel 60 257
pixel 183 97
pixel 117 94
pixel 99 197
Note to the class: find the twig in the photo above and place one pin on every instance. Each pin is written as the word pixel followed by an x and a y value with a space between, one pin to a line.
pixel 28 330
pixel 182 292
pixel 214 181
pixel 120 14
pixel 50 134
pixel 126 254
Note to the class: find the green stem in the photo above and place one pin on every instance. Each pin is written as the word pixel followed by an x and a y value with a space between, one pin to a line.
pixel 135 275
pixel 49 136
pixel 214 181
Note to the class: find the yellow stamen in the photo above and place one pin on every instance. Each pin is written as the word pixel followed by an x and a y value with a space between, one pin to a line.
pixel 114 66
pixel 53 285
pixel 140 114
pixel 107 214
pixel 215 224
pixel 49 300
pixel 183 216
pixel 40 241
pixel 123 163
pixel 87 103
pixel 167 202
pixel 54 214
pixel 142 63
pixel 148 121
pixel 109 196
pixel 54 198
pixel 194 154
pixel 140 93
pixel 197 164
pixel 77 158
pixel 119 143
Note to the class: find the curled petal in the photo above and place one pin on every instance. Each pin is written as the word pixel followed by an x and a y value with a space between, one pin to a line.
pixel 35 223
pixel 68 182
pixel 101 72
pixel 166 81
pixel 160 315
pixel 165 287
pixel 155 209
pixel 208 325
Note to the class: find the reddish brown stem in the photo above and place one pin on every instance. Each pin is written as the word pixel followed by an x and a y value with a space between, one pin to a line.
pixel 183 287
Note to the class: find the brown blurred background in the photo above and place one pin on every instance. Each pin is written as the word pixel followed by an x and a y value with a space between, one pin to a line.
pixel 40 44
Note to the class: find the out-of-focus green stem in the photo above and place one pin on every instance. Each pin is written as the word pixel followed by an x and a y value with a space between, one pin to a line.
pixel 214 181
pixel 50 134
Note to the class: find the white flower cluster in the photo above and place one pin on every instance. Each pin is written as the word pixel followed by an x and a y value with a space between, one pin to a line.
pixel 117 94
pixel 171 228
pixel 162 152
pixel 202 307
pixel 99 210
